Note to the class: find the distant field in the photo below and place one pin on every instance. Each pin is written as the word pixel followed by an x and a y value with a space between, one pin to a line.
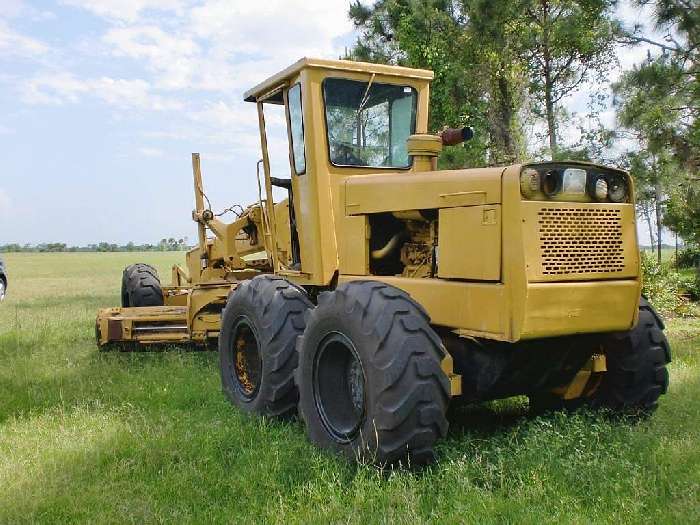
pixel 667 254
pixel 148 438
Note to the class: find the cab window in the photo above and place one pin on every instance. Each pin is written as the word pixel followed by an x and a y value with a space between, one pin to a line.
pixel 296 123
pixel 368 123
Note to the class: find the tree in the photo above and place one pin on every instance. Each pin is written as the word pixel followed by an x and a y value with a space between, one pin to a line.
pixel 669 81
pixel 474 81
pixel 683 212
pixel 652 173
pixel 658 103
pixel 494 32
pixel 487 54
pixel 565 43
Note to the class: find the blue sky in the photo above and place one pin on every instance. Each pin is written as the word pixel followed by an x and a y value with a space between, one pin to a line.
pixel 102 102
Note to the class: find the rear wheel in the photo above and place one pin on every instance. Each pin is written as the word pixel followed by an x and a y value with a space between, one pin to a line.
pixel 141 286
pixel 636 371
pixel 370 382
pixel 3 288
pixel 259 326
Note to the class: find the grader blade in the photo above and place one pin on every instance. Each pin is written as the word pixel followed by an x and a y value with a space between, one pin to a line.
pixel 144 325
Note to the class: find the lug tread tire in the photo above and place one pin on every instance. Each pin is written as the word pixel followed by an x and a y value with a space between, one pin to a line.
pixel 637 374
pixel 276 307
pixel 141 286
pixel 402 352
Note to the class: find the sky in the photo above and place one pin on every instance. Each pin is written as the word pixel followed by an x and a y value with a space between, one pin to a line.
pixel 103 101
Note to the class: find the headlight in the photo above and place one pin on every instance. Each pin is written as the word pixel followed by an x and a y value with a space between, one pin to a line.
pixel 617 189
pixel 597 188
pixel 529 182
pixel 551 183
pixel 601 190
pixel 574 182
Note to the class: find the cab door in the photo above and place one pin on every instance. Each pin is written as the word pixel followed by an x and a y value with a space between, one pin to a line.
pixel 313 237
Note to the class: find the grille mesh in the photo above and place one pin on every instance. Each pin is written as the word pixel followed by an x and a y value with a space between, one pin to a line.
pixel 580 240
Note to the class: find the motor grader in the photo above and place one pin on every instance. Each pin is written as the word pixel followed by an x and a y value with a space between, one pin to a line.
pixel 382 289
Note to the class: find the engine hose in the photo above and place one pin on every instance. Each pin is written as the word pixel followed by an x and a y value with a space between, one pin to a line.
pixel 390 247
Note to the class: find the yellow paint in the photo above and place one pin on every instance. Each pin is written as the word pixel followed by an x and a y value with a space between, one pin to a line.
pixel 470 243
pixel 491 244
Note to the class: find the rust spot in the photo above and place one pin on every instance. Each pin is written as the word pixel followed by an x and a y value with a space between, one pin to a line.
pixel 114 330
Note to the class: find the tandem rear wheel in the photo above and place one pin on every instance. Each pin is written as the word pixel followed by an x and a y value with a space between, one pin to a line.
pixel 363 367
pixel 370 381
pixel 259 326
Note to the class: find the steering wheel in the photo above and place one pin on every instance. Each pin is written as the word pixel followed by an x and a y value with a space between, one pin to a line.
pixel 346 155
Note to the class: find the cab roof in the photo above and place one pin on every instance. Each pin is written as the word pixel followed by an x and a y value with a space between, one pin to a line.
pixel 262 89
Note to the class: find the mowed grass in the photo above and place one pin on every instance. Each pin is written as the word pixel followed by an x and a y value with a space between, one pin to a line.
pixel 148 437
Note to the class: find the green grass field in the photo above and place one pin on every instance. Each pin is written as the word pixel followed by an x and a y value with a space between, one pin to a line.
pixel 142 438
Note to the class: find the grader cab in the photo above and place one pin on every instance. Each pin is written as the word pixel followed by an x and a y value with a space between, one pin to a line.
pixel 383 289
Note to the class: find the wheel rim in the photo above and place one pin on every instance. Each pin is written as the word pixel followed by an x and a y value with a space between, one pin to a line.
pixel 246 363
pixel 339 387
pixel 2 290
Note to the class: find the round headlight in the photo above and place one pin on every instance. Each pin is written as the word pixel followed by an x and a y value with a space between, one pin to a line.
pixel 598 188
pixel 617 189
pixel 529 182
pixel 551 183
pixel 601 190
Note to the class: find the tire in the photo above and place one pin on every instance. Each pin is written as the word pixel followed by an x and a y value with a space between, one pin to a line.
pixel 369 376
pixel 257 355
pixel 3 287
pixel 636 375
pixel 636 361
pixel 141 286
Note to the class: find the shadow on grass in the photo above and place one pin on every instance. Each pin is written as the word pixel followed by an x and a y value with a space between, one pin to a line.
pixel 487 418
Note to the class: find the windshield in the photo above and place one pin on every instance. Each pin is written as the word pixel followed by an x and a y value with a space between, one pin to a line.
pixel 368 123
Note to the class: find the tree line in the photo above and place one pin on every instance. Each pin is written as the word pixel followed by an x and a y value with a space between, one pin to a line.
pixel 164 245
pixel 509 69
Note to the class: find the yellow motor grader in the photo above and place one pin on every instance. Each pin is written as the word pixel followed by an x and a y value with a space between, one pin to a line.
pixel 382 289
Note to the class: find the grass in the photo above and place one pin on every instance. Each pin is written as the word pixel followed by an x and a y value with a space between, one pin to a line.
pixel 148 438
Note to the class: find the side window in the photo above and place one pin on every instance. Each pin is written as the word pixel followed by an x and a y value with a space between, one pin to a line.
pixel 296 120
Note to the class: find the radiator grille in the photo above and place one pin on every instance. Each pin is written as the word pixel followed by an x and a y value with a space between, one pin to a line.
pixel 580 241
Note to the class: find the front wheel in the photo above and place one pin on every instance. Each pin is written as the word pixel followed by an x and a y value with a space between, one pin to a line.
pixel 141 286
pixel 369 377
pixel 636 362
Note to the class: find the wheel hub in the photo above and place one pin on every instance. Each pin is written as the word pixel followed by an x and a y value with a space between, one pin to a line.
pixel 339 387
pixel 247 363
pixel 356 384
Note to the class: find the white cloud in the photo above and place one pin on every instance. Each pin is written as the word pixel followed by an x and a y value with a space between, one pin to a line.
pixel 127 10
pixel 224 45
pixel 64 87
pixel 168 55
pixel 17 8
pixel 13 43
pixel 261 38
pixel 151 152
pixel 221 114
